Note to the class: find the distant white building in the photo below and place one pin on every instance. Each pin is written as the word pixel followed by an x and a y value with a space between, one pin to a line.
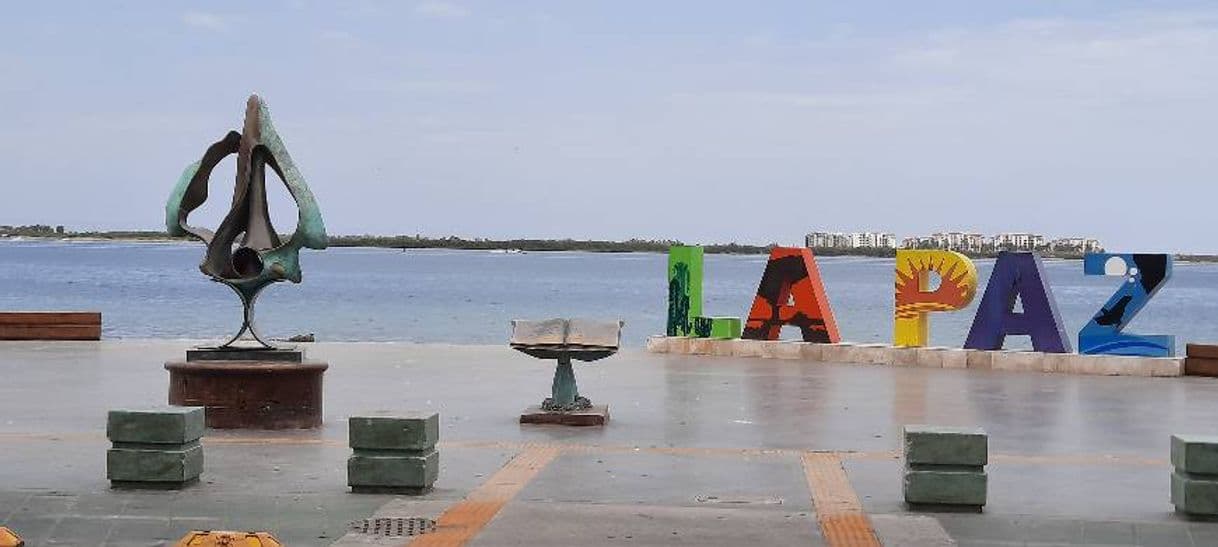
pixel 841 240
pixel 1018 242
pixel 1012 241
pixel 958 241
pixel 1076 244
pixel 955 241
pixel 827 240
pixel 875 240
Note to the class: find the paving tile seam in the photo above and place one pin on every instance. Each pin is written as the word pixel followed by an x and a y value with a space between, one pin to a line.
pixel 710 507
pixel 1041 518
pixel 86 516
pixel 1022 459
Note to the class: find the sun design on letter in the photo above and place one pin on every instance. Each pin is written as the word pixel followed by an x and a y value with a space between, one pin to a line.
pixel 956 289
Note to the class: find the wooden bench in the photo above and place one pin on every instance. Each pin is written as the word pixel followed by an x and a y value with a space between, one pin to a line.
pixel 50 325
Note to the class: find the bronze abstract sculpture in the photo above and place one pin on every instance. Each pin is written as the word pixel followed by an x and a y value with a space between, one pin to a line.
pixel 245 253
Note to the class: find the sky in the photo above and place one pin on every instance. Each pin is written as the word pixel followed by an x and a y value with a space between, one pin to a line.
pixel 702 121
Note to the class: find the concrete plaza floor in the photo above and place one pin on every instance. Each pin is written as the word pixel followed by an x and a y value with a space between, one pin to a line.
pixel 699 451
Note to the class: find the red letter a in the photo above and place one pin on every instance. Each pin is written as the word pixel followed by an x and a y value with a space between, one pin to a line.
pixel 791 293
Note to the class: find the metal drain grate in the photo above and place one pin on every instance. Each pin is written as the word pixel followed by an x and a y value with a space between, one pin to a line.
pixel 394 527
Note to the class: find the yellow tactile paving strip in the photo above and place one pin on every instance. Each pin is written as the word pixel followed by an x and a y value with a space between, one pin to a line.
pixel 462 521
pixel 838 511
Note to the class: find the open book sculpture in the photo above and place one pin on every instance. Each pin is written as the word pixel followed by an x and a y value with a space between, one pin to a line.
pixel 566 340
pixel 245 253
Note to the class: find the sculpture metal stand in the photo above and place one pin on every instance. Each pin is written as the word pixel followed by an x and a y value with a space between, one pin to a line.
pixel 566 340
pixel 249 386
pixel 247 320
pixel 564 393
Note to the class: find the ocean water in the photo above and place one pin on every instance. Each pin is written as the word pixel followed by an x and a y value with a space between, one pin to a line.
pixel 155 290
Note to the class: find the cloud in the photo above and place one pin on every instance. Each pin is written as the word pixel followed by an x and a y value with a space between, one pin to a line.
pixel 439 9
pixel 204 20
pixel 910 97
pixel 1034 64
pixel 1066 125
pixel 1152 58
pixel 340 39
pixel 1100 124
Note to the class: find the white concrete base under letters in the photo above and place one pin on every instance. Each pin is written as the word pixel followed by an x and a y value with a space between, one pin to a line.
pixel 930 357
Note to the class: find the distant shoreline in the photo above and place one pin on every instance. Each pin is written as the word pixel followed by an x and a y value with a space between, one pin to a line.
pixel 522 245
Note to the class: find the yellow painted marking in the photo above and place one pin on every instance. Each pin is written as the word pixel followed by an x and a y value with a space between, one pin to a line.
pixel 461 522
pixel 9 538
pixel 211 538
pixel 838 510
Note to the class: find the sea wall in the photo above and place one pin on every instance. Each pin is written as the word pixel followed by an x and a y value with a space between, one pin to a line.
pixel 925 357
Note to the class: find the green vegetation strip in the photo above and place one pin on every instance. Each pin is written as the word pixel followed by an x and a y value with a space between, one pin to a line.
pixel 530 245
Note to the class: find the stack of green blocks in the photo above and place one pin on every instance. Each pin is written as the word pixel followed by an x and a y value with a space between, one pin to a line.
pixel 1194 479
pixel 156 449
pixel 394 454
pixel 945 467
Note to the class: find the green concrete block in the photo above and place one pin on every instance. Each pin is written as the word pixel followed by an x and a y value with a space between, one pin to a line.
pixel 721 328
pixel 937 445
pixel 1195 495
pixel 955 487
pixel 166 425
pixel 151 465
pixel 381 471
pixel 1195 453
pixel 411 431
pixel 684 289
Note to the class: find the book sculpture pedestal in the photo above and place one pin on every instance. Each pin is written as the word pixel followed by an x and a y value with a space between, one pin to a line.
pixel 566 340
